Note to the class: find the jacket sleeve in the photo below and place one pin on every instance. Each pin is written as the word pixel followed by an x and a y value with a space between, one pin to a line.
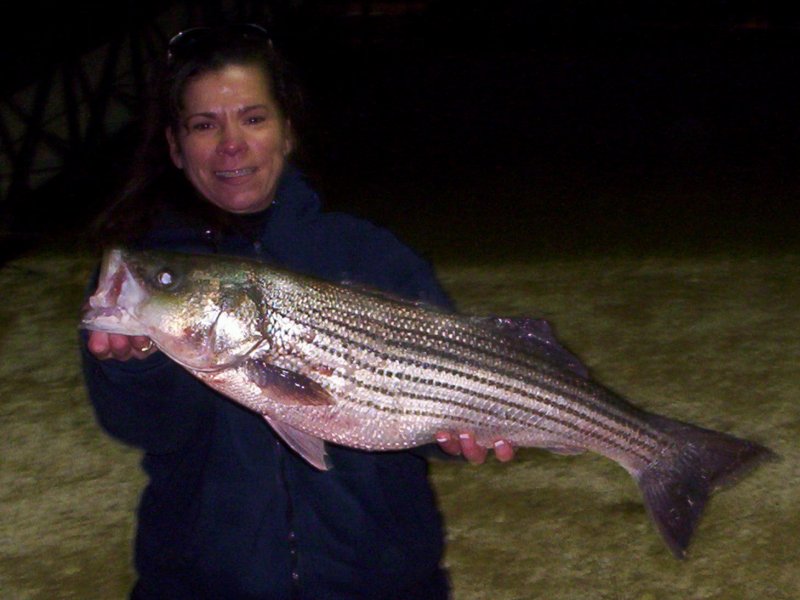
pixel 152 404
pixel 419 281
pixel 411 276
pixel 376 257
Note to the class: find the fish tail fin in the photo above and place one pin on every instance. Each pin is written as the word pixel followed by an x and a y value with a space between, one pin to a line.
pixel 677 485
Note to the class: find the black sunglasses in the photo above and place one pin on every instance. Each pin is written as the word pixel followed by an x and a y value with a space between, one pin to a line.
pixel 181 44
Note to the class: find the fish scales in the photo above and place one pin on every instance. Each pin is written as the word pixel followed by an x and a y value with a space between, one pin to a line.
pixel 456 348
pixel 325 362
pixel 450 386
pixel 457 344
pixel 395 328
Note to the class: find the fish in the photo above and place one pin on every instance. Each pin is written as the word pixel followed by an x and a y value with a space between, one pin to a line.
pixel 326 362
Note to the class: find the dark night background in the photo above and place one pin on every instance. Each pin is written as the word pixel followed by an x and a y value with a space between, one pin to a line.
pixel 651 143
pixel 512 128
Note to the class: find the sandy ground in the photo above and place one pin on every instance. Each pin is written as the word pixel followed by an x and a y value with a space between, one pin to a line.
pixel 713 340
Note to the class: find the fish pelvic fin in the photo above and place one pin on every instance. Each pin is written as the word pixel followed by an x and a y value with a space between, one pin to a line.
pixel 677 485
pixel 311 448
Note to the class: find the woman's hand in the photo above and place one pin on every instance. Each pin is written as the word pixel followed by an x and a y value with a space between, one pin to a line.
pixel 465 444
pixel 120 347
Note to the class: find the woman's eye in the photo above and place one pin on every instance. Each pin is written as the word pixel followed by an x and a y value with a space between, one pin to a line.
pixel 256 119
pixel 203 126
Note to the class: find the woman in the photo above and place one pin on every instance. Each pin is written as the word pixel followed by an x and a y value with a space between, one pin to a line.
pixel 229 511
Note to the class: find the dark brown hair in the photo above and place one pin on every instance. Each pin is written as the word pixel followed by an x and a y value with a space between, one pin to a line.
pixel 153 183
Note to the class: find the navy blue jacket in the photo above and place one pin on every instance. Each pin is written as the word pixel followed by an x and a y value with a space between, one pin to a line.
pixel 229 511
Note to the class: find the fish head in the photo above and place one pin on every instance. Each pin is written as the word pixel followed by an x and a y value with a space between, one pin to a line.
pixel 203 312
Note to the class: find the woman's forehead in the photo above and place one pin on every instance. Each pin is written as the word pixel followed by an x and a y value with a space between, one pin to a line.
pixel 243 85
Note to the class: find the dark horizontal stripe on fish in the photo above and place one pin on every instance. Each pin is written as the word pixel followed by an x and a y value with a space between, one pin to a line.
pixel 628 434
pixel 482 341
pixel 485 412
pixel 614 409
pixel 524 374
pixel 538 414
pixel 618 423
pixel 413 412
pixel 586 425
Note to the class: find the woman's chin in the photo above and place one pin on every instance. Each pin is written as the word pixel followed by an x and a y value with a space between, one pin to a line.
pixel 241 204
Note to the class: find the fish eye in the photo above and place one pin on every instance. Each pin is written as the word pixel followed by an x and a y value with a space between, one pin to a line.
pixel 165 279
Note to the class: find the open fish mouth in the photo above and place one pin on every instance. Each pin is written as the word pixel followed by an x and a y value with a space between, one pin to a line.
pixel 93 314
pixel 111 319
pixel 106 310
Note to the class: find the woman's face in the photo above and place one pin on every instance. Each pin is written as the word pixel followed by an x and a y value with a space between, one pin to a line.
pixel 232 141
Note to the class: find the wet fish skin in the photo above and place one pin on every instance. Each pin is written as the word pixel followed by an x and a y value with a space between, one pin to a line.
pixel 325 362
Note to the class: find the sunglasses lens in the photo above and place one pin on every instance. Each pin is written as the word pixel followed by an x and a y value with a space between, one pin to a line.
pixel 184 39
pixel 251 31
pixel 181 44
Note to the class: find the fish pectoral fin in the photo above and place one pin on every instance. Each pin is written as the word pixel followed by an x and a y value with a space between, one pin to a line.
pixel 311 448
pixel 286 387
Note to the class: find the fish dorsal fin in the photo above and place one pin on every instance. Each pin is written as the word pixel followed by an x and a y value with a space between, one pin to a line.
pixel 310 447
pixel 536 336
pixel 379 294
pixel 284 386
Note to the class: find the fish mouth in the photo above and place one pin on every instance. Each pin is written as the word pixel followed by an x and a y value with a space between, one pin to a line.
pixel 90 314
pixel 113 277
pixel 235 173
pixel 107 309
pixel 111 320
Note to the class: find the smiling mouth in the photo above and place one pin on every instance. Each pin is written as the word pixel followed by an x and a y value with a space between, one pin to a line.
pixel 235 173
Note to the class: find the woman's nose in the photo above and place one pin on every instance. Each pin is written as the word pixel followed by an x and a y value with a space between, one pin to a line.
pixel 232 141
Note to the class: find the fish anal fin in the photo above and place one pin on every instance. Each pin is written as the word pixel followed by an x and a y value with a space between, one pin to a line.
pixel 309 447
pixel 286 387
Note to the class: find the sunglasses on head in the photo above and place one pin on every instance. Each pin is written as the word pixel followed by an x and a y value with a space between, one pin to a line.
pixel 181 44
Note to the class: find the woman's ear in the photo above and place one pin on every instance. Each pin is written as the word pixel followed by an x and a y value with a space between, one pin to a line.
pixel 174 148
pixel 288 138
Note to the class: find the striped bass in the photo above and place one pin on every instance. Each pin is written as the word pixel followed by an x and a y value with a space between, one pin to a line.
pixel 324 362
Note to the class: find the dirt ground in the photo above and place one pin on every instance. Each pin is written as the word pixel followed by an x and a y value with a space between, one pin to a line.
pixel 709 339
